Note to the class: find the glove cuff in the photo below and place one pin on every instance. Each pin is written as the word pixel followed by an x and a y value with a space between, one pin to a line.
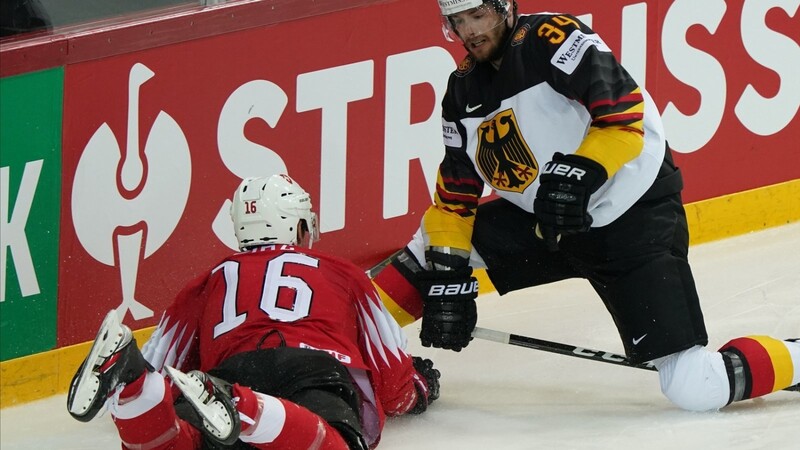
pixel 422 398
pixel 446 258
pixel 445 275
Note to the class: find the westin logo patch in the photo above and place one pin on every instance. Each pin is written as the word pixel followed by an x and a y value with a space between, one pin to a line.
pixel 452 138
pixel 571 52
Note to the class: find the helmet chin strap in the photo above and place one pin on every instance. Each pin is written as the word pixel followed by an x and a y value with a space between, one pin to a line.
pixel 498 53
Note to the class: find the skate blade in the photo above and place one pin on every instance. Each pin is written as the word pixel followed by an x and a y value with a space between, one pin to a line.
pixel 109 337
pixel 215 417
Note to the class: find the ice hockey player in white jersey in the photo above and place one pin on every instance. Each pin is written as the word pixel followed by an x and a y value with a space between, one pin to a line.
pixel 541 111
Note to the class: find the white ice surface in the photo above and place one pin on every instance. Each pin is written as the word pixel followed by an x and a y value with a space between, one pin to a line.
pixel 497 396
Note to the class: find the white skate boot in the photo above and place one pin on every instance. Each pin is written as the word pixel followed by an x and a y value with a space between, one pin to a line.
pixel 212 409
pixel 114 359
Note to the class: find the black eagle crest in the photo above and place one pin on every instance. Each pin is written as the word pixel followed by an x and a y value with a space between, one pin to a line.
pixel 503 155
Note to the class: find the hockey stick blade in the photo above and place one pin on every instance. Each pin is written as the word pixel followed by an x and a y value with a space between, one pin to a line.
pixel 555 347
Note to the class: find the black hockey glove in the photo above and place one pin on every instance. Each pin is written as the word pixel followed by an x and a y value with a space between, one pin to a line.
pixel 449 312
pixel 425 368
pixel 561 204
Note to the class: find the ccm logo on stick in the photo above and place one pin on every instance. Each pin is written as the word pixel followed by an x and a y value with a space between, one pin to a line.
pixel 454 289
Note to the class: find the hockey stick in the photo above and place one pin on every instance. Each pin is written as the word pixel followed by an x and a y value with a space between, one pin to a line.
pixel 374 270
pixel 529 342
pixel 555 347
pixel 547 346
pixel 537 344
pixel 569 350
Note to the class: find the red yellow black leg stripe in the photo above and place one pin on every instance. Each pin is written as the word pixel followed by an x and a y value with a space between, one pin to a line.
pixel 767 365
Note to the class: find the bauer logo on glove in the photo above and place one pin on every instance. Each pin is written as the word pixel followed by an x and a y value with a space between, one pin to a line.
pixel 562 200
pixel 563 169
pixel 453 289
pixel 449 312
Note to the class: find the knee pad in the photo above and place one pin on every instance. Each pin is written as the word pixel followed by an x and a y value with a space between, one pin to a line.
pixel 695 379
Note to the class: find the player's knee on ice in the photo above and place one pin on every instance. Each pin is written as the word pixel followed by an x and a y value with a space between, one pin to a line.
pixel 694 379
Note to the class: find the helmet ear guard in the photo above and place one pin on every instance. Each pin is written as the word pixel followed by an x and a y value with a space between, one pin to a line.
pixel 272 210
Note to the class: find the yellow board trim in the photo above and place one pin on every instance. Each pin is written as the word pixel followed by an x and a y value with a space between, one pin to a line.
pixel 48 373
pixel 743 212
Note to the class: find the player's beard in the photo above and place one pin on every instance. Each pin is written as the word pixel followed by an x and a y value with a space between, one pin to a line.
pixel 498 39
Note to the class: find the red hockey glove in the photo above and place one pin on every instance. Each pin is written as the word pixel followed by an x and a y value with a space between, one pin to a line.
pixel 449 312
pixel 562 201
pixel 424 367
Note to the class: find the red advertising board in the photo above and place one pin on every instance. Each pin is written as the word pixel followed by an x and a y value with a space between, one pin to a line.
pixel 725 79
pixel 156 141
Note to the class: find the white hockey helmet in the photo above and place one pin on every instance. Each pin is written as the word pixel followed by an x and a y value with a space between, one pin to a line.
pixel 271 210
pixel 450 7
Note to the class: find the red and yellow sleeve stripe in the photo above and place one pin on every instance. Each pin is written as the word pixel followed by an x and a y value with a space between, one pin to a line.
pixel 616 134
pixel 400 297
pixel 457 194
pixel 450 220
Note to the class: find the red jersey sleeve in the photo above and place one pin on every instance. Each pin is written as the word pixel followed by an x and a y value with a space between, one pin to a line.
pixel 175 340
pixel 383 344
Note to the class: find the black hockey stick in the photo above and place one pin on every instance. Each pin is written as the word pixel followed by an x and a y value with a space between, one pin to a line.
pixel 374 270
pixel 529 342
pixel 547 346
pixel 555 347
pixel 569 350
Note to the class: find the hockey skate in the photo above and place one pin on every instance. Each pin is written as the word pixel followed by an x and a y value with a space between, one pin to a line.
pixel 114 359
pixel 212 410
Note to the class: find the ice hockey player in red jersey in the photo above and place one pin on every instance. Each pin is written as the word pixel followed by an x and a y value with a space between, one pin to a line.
pixel 542 112
pixel 276 347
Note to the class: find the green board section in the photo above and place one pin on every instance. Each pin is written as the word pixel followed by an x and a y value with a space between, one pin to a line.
pixel 30 201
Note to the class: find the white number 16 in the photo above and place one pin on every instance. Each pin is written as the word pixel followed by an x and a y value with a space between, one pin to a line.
pixel 273 282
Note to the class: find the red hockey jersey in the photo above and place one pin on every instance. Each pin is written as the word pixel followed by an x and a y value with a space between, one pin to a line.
pixel 314 300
